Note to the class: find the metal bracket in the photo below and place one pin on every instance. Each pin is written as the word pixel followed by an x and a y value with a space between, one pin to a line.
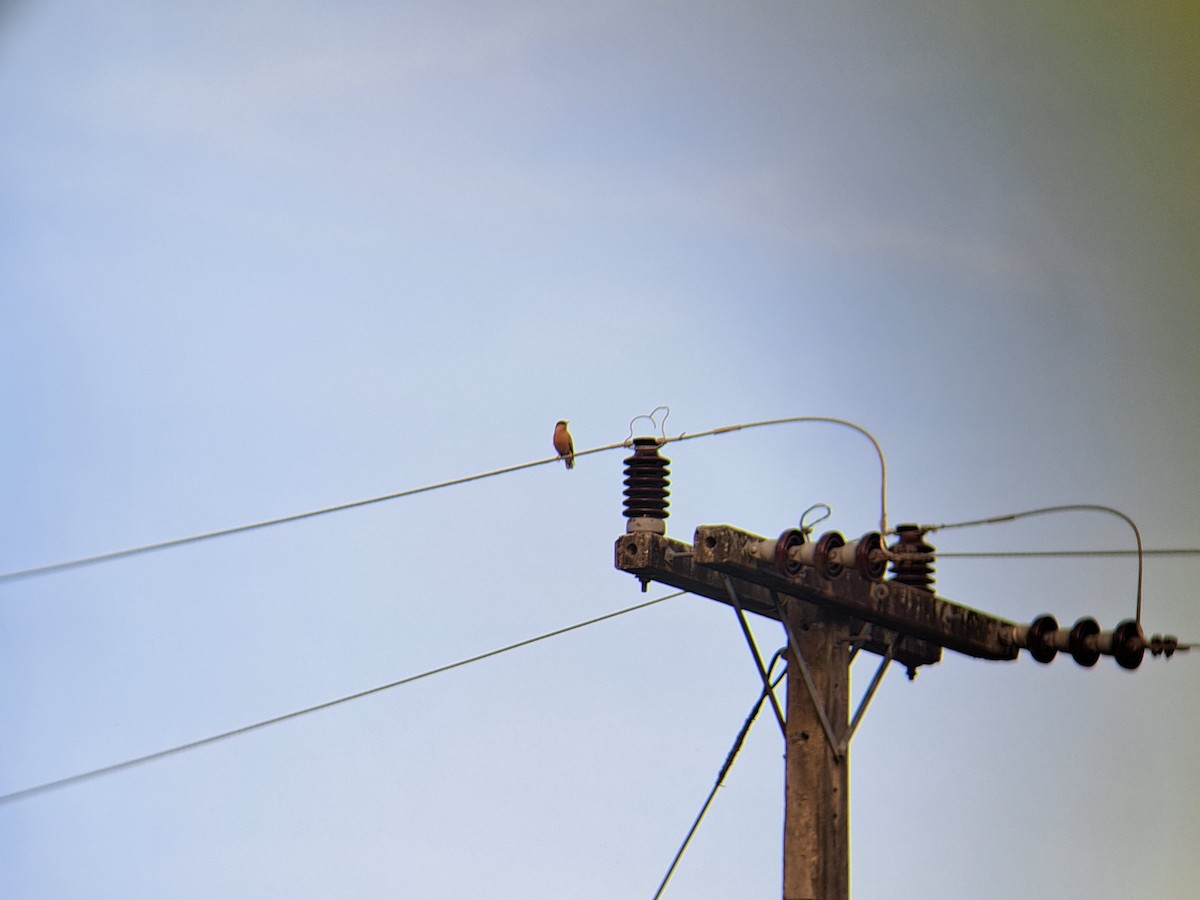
pixel 762 671
pixel 834 744
pixel 866 700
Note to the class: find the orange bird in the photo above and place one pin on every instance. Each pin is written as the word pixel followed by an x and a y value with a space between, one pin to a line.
pixel 563 445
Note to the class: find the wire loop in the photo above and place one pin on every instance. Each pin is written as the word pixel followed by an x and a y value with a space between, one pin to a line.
pixel 807 529
pixel 662 429
pixel 1070 507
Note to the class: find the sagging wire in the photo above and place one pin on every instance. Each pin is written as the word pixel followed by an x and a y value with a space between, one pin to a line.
pixel 799 419
pixel 726 766
pixel 54 568
pixel 192 745
pixel 1070 507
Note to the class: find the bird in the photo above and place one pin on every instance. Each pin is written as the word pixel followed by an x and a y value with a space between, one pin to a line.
pixel 563 444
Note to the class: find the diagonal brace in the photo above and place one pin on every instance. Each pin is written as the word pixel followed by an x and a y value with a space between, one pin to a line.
pixel 762 671
pixel 866 700
pixel 837 746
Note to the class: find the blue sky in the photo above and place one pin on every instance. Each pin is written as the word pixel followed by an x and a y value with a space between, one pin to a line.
pixel 260 258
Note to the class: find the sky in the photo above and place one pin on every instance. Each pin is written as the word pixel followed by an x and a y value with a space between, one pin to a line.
pixel 260 258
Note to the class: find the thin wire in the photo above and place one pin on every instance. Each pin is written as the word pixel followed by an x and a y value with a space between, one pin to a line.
pixel 807 528
pixel 725 767
pixel 1070 507
pixel 192 745
pixel 53 568
pixel 1015 554
pixel 296 517
pixel 662 429
pixel 843 422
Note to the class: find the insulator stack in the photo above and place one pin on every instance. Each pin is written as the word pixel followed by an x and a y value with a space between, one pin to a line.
pixel 646 487
pixel 913 562
pixel 1128 645
pixel 1087 643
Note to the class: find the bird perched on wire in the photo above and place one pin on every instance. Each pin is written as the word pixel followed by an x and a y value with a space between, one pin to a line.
pixel 563 444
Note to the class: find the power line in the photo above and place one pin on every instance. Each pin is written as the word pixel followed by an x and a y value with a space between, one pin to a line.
pixel 192 745
pixel 53 568
pixel 1070 507
pixel 268 523
pixel 725 767
pixel 795 420
pixel 1021 554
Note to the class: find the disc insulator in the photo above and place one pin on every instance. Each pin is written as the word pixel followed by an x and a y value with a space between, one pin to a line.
pixel 1082 649
pixel 1040 639
pixel 1128 645
pixel 824 559
pixel 789 540
pixel 867 558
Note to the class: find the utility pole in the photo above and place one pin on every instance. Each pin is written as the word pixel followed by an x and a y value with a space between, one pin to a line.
pixel 816 826
pixel 834 601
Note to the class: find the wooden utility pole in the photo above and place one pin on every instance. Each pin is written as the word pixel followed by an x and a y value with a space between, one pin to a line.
pixel 834 602
pixel 832 607
pixel 816 825
pixel 816 862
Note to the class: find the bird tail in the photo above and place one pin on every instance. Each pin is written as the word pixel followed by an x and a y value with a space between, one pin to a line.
pixel 570 461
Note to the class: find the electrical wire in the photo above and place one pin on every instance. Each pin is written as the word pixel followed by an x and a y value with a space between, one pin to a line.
pixel 53 568
pixel 1069 507
pixel 245 729
pixel 799 419
pixel 725 767
pixel 1027 554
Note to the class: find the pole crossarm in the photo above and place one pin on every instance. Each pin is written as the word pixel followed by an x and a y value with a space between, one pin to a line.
pixel 654 557
pixel 910 611
pixel 833 601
